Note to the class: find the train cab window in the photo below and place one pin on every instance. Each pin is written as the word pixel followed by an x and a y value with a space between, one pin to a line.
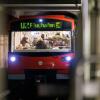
pixel 33 41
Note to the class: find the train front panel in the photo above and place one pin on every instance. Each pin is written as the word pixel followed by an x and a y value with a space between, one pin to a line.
pixel 41 44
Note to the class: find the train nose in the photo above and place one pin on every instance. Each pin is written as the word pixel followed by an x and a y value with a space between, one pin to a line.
pixel 40 63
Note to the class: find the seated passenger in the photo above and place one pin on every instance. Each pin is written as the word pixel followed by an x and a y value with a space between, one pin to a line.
pixel 24 44
pixel 40 44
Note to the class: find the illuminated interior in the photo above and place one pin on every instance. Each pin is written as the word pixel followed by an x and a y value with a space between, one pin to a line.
pixel 33 41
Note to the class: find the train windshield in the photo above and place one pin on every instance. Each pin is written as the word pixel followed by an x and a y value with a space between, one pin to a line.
pixel 41 41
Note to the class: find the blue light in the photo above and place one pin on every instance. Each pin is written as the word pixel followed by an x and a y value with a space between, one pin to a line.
pixel 12 58
pixel 41 20
pixel 68 58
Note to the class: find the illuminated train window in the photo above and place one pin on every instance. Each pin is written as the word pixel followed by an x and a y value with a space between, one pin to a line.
pixel 33 41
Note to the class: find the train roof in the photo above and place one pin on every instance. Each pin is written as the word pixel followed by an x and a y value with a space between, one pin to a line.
pixel 67 14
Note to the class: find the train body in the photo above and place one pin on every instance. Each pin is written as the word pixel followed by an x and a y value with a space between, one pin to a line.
pixel 41 45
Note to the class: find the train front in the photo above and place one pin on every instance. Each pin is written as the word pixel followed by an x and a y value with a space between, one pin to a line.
pixel 41 48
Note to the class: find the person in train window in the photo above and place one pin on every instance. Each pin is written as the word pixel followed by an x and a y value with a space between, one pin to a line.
pixel 24 44
pixel 41 44
pixel 42 36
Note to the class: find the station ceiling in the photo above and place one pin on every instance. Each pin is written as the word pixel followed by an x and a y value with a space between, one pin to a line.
pixel 31 7
pixel 40 1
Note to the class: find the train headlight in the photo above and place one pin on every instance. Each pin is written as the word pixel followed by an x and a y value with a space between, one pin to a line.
pixel 12 58
pixel 67 59
pixel 40 20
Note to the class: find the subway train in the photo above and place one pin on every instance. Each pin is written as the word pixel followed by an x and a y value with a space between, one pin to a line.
pixel 42 52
